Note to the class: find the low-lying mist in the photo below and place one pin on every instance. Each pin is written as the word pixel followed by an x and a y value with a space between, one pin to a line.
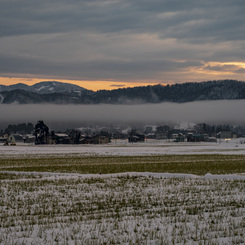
pixel 68 116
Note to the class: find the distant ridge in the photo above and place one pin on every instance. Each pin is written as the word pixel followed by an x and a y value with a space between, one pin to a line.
pixel 66 93
pixel 44 87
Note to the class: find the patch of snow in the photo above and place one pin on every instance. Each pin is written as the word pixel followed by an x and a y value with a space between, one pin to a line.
pixel 15 102
pixel 1 98
pixel 41 88
pixel 61 135
pixel 123 148
pixel 131 174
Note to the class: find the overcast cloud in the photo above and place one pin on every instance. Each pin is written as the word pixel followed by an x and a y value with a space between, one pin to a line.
pixel 123 40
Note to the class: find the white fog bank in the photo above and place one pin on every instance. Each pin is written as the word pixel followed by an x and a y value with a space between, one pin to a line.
pixel 225 111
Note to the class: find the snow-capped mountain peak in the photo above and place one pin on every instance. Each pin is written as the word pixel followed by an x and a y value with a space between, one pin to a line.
pixel 54 87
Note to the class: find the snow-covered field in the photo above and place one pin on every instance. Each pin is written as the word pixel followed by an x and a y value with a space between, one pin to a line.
pixel 122 147
pixel 122 208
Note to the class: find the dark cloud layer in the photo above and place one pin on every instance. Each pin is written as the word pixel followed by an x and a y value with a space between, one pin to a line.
pixel 119 39
pixel 182 19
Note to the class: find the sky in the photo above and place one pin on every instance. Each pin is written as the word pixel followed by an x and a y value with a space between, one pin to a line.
pixel 107 44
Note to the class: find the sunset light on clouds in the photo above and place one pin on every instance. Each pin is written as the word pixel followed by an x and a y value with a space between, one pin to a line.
pixel 91 85
pixel 111 44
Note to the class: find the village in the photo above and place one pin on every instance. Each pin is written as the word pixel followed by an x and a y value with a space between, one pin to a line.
pixel 40 134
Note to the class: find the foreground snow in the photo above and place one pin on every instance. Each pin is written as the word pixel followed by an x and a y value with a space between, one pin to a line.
pixel 122 208
pixel 122 147
pixel 130 208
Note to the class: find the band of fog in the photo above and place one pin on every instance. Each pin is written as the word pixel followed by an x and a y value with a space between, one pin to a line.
pixel 225 111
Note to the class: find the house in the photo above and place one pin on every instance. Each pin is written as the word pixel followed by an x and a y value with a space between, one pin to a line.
pixel 150 136
pixel 225 134
pixel 10 140
pixel 134 136
pixel 62 138
pixel 197 137
pixel 163 132
pixel 18 137
pixel 29 138
pixel 101 139
pixel 96 139
pixel 180 138
pixel 119 135
pixel 86 139
pixel 3 138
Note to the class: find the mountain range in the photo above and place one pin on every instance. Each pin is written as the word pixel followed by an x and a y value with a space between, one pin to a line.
pixel 44 87
pixel 66 93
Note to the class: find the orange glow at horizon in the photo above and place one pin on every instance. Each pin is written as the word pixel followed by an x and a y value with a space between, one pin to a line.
pixel 207 71
pixel 90 85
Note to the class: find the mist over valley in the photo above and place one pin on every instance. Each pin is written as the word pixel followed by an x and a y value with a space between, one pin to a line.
pixel 74 116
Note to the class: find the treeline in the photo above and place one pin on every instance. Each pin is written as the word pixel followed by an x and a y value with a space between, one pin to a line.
pixel 212 130
pixel 201 128
pixel 186 92
pixel 21 128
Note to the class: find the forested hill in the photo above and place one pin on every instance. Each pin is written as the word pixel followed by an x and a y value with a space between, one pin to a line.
pixel 186 92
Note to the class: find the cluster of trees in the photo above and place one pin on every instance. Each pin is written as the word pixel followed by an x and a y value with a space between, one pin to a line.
pixel 43 136
pixel 21 128
pixel 41 132
pixel 214 129
pixel 211 130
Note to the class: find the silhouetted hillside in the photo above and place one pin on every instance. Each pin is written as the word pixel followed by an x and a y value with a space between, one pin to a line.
pixel 60 93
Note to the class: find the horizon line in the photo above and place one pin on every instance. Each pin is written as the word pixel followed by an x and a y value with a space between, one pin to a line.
pixel 96 85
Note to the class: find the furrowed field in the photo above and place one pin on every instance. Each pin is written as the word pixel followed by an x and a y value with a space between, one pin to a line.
pixel 101 199
pixel 191 164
